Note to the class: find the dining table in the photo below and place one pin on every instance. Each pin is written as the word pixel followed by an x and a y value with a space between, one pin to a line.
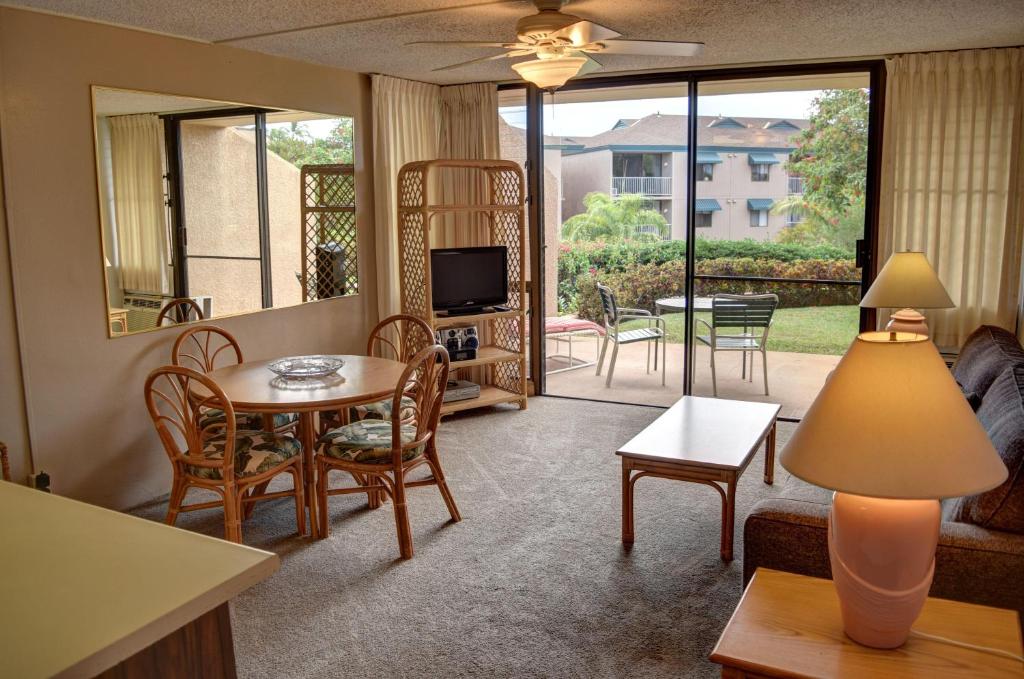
pixel 252 387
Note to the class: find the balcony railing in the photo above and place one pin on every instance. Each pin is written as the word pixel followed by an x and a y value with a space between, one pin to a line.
pixel 644 186
pixel 796 186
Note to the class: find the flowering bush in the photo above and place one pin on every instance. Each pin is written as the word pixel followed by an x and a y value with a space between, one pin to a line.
pixel 640 285
pixel 578 259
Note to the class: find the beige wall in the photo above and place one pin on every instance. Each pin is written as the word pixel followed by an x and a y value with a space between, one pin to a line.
pixel 86 418
pixel 732 187
pixel 583 173
pixel 221 213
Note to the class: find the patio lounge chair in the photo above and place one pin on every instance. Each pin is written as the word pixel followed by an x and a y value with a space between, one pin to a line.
pixel 732 312
pixel 613 316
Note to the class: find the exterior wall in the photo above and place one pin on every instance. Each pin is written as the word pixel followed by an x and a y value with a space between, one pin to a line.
pixel 583 173
pixel 221 213
pixel 86 421
pixel 512 142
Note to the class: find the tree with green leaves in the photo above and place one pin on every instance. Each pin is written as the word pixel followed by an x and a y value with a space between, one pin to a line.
pixel 615 220
pixel 297 144
pixel 831 157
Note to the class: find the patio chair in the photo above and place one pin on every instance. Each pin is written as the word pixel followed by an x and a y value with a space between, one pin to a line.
pixel 732 312
pixel 613 317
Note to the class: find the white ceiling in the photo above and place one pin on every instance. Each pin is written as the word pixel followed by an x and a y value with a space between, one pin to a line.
pixel 374 34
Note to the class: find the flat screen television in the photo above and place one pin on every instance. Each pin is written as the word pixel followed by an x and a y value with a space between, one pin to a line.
pixel 467 280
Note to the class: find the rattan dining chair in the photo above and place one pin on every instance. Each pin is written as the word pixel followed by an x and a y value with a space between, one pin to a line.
pixel 5 464
pixel 385 452
pixel 614 315
pixel 207 347
pixel 180 310
pixel 740 316
pixel 234 463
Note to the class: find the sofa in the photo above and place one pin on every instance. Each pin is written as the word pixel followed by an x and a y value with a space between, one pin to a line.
pixel 980 555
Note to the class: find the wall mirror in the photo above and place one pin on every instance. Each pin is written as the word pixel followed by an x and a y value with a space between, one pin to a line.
pixel 211 209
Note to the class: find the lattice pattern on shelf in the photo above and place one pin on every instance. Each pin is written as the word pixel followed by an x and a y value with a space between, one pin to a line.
pixel 330 261
pixel 502 208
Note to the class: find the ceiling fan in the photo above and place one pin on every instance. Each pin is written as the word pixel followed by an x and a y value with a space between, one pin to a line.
pixel 563 45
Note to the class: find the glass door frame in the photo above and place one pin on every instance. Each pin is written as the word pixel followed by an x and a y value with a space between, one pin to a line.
pixel 867 250
pixel 176 196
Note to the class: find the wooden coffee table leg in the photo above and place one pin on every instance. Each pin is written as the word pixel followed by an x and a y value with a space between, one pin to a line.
pixel 627 504
pixel 307 435
pixel 728 518
pixel 769 456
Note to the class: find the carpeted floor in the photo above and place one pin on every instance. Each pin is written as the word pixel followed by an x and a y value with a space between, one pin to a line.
pixel 533 582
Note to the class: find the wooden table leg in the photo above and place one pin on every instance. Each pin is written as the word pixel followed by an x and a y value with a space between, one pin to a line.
pixel 769 456
pixel 627 504
pixel 307 435
pixel 728 518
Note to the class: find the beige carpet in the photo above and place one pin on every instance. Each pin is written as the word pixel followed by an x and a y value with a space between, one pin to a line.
pixel 533 582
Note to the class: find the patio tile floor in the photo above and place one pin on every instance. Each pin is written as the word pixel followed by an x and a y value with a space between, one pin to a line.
pixel 793 379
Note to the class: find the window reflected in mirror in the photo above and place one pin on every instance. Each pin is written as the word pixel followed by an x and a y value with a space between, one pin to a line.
pixel 211 209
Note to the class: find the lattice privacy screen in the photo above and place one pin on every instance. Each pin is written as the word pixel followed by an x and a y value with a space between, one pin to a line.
pixel 329 239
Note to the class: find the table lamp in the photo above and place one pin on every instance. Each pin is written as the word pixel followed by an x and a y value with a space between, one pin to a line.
pixel 907 282
pixel 891 433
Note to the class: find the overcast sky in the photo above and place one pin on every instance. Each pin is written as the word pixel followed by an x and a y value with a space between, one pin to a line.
pixel 588 119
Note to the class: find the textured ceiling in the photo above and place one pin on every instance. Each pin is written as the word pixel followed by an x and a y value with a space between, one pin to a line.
pixel 735 31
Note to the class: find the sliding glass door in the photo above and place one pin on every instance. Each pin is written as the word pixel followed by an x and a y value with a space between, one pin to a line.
pixel 766 192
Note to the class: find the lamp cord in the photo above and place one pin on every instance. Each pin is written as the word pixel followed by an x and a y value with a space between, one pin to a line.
pixel 962 644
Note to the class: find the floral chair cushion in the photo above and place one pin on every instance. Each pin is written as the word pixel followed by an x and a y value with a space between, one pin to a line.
pixel 381 410
pixel 255 453
pixel 367 442
pixel 245 421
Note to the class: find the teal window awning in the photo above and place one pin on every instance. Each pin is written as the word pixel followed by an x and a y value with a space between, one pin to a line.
pixel 707 205
pixel 708 158
pixel 762 159
pixel 760 203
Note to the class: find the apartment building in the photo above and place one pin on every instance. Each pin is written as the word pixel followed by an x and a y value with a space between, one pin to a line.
pixel 741 171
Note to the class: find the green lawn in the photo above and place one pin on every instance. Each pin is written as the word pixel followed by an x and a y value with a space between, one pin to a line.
pixel 805 330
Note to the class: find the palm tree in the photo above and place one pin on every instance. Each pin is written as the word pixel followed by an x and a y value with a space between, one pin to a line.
pixel 614 220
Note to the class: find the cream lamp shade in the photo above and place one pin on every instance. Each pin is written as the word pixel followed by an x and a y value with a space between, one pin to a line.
pixel 891 422
pixel 907 280
pixel 550 73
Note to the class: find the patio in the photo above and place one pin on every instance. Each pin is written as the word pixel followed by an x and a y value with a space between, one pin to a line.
pixel 793 378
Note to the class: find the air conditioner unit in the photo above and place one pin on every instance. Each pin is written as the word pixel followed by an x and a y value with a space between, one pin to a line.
pixel 144 307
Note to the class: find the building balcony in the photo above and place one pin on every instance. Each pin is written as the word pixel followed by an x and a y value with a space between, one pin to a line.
pixel 644 186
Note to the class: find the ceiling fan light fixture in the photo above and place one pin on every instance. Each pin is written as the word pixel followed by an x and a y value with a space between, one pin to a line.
pixel 549 74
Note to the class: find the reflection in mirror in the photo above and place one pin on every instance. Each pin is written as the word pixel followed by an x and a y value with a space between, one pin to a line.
pixel 210 209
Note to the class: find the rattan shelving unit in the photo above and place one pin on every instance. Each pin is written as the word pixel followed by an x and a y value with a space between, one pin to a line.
pixel 425 205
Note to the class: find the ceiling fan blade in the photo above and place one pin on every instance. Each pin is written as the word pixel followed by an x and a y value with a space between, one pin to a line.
pixel 585 32
pixel 591 65
pixel 656 48
pixel 474 61
pixel 470 43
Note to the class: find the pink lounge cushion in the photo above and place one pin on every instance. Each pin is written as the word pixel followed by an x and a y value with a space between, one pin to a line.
pixel 570 324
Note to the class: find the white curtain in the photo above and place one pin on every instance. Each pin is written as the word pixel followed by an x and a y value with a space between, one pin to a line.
pixel 137 165
pixel 406 127
pixel 416 121
pixel 953 179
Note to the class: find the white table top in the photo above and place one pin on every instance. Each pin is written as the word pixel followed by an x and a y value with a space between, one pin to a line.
pixel 82 587
pixel 700 303
pixel 705 432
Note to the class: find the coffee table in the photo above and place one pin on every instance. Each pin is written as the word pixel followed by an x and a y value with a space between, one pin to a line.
pixel 702 440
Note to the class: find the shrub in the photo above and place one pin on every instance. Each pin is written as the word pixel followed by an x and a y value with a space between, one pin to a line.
pixel 578 259
pixel 640 285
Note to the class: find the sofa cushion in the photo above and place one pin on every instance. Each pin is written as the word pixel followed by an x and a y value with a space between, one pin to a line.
pixel 1002 415
pixel 985 355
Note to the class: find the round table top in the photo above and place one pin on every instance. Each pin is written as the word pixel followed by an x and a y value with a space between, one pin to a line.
pixel 252 386
pixel 701 303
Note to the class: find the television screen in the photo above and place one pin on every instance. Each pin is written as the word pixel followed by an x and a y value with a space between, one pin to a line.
pixel 468 279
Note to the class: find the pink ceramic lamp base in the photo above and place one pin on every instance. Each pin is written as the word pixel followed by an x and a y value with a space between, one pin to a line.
pixel 883 558
pixel 908 320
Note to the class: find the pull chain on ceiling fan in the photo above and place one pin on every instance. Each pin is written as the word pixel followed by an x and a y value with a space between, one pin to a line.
pixel 563 45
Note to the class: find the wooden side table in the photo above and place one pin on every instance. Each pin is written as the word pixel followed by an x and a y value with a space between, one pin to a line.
pixel 789 625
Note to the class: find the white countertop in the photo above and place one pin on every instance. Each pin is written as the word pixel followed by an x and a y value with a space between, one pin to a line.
pixel 82 587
